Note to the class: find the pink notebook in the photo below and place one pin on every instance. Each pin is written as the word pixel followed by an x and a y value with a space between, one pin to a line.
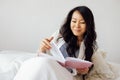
pixel 75 63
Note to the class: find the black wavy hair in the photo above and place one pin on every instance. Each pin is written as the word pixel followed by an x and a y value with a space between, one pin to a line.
pixel 89 35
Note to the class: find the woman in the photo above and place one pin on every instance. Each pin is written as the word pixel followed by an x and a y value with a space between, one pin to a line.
pixel 78 38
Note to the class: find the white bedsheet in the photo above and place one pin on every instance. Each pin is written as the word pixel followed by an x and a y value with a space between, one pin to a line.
pixel 10 62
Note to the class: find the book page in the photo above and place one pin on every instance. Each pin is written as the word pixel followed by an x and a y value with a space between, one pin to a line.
pixel 56 52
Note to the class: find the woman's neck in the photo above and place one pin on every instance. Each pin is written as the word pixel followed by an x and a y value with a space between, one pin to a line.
pixel 80 39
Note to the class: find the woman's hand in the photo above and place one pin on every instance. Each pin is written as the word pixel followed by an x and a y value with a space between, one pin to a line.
pixel 82 71
pixel 45 45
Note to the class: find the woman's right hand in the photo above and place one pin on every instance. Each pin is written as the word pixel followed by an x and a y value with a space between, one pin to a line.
pixel 45 45
pixel 83 71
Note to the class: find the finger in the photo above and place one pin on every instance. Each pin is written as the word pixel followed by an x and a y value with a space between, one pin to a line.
pixel 46 42
pixel 43 47
pixel 46 45
pixel 82 68
pixel 50 39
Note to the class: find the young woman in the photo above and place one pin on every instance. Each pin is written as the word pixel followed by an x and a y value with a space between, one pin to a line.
pixel 78 38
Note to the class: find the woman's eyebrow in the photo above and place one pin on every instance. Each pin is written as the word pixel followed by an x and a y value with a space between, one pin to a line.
pixel 76 19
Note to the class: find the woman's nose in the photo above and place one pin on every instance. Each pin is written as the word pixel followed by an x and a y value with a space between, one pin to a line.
pixel 77 25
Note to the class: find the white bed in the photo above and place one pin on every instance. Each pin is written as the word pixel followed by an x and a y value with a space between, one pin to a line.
pixel 10 62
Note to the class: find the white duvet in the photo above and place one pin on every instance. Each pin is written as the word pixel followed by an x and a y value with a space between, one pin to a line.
pixel 10 62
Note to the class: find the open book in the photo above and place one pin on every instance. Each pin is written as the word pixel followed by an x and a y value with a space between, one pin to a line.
pixel 69 62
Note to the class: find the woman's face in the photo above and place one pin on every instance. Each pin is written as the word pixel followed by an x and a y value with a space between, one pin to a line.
pixel 77 24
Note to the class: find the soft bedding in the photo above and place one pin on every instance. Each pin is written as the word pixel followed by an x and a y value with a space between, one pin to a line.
pixel 10 62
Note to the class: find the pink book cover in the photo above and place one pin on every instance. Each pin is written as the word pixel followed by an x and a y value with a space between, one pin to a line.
pixel 76 63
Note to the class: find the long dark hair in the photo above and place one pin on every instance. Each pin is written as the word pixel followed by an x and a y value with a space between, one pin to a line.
pixel 89 35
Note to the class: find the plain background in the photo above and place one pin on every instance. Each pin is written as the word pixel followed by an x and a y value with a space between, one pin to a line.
pixel 24 23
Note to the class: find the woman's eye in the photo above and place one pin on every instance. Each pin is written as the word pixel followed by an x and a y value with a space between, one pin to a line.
pixel 74 21
pixel 82 22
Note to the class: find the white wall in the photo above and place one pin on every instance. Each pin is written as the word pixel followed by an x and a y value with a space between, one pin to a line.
pixel 23 23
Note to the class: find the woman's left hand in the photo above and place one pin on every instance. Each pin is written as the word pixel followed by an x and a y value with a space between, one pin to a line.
pixel 82 71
